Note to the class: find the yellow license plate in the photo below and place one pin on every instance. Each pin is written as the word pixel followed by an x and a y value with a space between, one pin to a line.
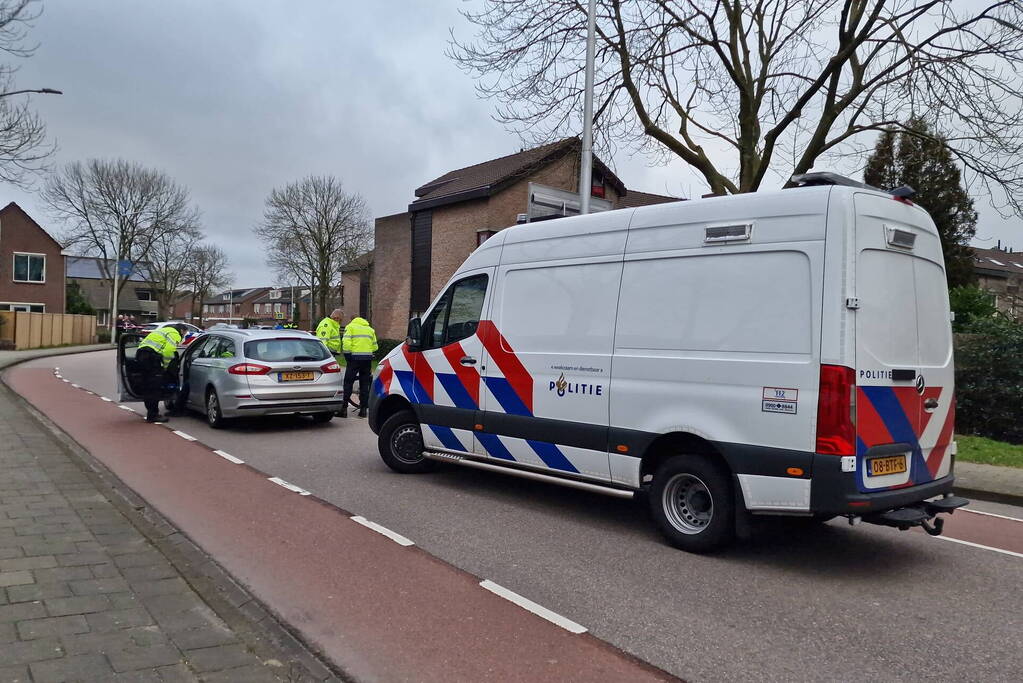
pixel 295 376
pixel 878 467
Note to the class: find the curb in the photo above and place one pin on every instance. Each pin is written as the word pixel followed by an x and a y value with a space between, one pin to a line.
pixel 255 624
pixel 989 496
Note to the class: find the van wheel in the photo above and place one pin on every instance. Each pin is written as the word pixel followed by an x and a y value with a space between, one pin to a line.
pixel 691 501
pixel 214 416
pixel 401 444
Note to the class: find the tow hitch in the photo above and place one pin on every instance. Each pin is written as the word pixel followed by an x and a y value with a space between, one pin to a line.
pixel 923 514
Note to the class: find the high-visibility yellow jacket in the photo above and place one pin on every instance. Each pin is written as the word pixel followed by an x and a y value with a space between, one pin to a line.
pixel 359 340
pixel 329 330
pixel 163 340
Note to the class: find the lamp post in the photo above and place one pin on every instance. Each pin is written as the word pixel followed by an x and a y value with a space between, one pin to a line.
pixel 586 163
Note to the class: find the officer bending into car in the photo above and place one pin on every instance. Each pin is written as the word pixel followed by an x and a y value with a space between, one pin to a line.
pixel 358 344
pixel 153 357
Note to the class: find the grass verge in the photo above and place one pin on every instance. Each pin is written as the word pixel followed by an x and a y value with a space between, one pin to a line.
pixel 989 451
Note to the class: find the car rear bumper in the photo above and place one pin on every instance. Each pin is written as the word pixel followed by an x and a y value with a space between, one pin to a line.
pixel 834 492
pixel 284 407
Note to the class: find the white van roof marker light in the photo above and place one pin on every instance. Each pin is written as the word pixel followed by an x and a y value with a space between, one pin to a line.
pixel 735 232
pixel 900 239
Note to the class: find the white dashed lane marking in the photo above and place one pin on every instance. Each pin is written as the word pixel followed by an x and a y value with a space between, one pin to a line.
pixel 106 399
pixel 978 545
pixel 229 457
pixel 186 437
pixel 394 536
pixel 529 605
pixel 991 514
pixel 290 487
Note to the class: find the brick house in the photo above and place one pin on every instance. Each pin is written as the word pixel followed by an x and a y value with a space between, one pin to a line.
pixel 31 265
pixel 1000 272
pixel 232 305
pixel 280 305
pixel 417 251
pixel 136 292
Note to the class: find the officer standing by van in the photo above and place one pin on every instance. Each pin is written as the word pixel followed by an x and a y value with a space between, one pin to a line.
pixel 154 354
pixel 358 344
pixel 329 331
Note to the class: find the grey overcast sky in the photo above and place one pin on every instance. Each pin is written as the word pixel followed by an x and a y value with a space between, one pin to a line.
pixel 235 97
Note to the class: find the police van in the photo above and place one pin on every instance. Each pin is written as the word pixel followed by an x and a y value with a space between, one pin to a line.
pixel 776 353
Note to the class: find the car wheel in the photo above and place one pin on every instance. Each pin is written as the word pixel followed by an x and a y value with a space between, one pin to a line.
pixel 692 504
pixel 401 444
pixel 320 418
pixel 214 416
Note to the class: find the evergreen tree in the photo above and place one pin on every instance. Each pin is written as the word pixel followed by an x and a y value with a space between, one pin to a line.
pixel 923 162
pixel 76 301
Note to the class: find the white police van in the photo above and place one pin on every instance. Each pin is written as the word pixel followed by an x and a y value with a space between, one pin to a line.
pixel 777 353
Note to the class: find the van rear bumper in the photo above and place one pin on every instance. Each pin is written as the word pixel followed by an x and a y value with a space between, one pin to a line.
pixel 834 492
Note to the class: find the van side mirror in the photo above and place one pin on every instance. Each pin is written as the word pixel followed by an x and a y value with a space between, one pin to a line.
pixel 415 334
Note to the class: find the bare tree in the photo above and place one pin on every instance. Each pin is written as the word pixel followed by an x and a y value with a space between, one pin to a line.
pixel 311 228
pixel 24 151
pixel 773 85
pixel 169 263
pixel 206 273
pixel 116 210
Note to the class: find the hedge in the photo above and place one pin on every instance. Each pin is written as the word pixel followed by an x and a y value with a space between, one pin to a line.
pixel 989 380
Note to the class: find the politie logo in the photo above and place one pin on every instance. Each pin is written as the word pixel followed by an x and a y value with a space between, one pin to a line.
pixel 563 386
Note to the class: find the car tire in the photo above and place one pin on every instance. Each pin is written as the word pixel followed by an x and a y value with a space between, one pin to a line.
pixel 322 418
pixel 401 444
pixel 692 503
pixel 214 415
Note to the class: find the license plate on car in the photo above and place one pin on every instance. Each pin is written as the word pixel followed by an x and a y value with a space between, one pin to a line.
pixel 892 464
pixel 295 376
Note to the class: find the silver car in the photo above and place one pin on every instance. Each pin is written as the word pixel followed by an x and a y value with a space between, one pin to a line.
pixel 230 373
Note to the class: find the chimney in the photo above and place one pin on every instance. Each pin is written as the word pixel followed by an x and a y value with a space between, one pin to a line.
pixel 999 247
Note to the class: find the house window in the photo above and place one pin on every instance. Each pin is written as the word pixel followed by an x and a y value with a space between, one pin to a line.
pixel 26 308
pixel 29 267
pixel 205 308
pixel 277 308
pixel 144 295
pixel 275 294
pixel 483 235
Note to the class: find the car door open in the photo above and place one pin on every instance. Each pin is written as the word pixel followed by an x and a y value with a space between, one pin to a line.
pixel 130 380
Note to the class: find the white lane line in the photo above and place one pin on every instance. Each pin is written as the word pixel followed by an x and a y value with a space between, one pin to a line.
pixel 108 400
pixel 127 408
pixel 382 530
pixel 186 437
pixel 991 514
pixel 229 457
pixel 529 605
pixel 66 381
pixel 75 385
pixel 291 487
pixel 978 545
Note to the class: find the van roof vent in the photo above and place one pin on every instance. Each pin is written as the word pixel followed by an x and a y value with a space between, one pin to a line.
pixel 738 232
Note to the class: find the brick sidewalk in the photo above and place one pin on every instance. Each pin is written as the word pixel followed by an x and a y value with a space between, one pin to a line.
pixel 83 594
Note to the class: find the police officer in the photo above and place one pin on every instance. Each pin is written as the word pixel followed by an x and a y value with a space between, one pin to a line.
pixel 329 331
pixel 154 354
pixel 358 344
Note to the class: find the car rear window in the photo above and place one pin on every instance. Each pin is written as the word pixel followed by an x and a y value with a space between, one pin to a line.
pixel 285 350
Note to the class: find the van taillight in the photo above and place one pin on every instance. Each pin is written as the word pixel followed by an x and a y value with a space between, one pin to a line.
pixel 836 416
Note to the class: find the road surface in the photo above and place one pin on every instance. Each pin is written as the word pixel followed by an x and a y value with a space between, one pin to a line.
pixel 797 602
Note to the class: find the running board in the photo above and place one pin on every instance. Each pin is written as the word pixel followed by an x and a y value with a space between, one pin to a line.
pixel 526 474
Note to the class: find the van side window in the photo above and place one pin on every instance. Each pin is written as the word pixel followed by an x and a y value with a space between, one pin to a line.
pixel 457 314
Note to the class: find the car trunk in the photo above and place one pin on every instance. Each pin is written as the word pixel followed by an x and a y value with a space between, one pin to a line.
pixel 905 406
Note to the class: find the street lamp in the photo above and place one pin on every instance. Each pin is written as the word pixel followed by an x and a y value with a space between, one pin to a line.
pixel 586 162
pixel 45 91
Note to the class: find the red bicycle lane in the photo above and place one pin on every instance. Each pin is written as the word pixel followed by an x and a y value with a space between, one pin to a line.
pixel 379 610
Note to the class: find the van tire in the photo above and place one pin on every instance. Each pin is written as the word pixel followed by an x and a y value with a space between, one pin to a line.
pixel 691 501
pixel 399 437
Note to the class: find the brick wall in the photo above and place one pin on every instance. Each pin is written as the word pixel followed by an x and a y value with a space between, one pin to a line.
pixel 391 276
pixel 19 233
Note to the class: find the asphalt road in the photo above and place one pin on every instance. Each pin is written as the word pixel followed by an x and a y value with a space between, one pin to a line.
pixel 797 602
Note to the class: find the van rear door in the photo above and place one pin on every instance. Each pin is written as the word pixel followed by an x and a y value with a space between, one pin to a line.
pixel 904 372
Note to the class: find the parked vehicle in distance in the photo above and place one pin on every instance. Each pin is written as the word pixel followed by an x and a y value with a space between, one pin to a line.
pixel 230 373
pixel 187 339
pixel 776 353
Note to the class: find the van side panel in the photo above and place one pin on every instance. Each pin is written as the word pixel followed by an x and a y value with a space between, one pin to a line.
pixel 723 341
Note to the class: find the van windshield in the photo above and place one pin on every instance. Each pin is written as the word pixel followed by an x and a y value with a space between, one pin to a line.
pixel 286 350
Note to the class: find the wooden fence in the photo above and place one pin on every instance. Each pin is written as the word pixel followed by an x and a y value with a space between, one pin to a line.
pixel 36 330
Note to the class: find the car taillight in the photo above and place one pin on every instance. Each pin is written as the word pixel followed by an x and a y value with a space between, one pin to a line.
pixel 248 369
pixel 836 411
pixel 332 366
